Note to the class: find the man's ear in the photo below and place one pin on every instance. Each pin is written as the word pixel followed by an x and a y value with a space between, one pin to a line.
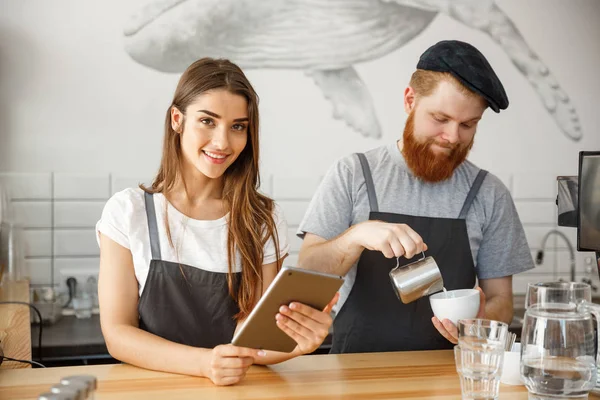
pixel 410 99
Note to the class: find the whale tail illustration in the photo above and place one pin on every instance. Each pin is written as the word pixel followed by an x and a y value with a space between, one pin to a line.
pixel 486 16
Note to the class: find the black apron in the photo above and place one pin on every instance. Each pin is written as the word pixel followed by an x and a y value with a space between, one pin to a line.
pixel 185 304
pixel 373 318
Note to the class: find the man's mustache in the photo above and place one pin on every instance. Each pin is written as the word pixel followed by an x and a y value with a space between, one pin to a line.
pixel 444 145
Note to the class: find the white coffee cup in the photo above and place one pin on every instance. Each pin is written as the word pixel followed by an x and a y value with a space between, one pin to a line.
pixel 511 368
pixel 455 304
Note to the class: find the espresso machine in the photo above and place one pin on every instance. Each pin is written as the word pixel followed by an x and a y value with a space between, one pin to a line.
pixel 578 203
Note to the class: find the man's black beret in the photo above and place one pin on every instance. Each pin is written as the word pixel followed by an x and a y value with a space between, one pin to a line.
pixel 469 66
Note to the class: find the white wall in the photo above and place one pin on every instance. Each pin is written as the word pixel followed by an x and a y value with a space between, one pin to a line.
pixel 79 118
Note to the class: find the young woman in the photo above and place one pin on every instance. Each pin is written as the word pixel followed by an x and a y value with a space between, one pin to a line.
pixel 183 262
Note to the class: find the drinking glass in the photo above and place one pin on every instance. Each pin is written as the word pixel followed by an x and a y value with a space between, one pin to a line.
pixel 482 333
pixel 479 370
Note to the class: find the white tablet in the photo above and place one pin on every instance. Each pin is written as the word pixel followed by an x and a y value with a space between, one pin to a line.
pixel 260 331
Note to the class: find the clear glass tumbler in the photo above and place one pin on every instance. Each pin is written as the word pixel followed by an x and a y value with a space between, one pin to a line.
pixel 479 370
pixel 482 333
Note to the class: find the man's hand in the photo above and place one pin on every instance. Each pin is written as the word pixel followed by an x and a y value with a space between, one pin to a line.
pixel 449 330
pixel 393 240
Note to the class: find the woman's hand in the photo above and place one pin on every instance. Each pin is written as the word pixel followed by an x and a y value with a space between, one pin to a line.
pixel 307 326
pixel 228 364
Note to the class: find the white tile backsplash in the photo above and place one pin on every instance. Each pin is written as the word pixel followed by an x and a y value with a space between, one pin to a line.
pixel 295 188
pixel 79 200
pixel 535 235
pixel 534 186
pixel 73 214
pixel 520 281
pixel 37 243
pixel 548 265
pixel 119 183
pixel 571 234
pixel 74 263
pixel 77 267
pixel 266 185
pixel 32 214
pixel 40 270
pixel 293 210
pixel 537 212
pixel 79 186
pixel 26 185
pixel 80 242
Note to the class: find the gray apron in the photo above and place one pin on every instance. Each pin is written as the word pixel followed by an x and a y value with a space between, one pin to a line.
pixel 182 303
pixel 372 318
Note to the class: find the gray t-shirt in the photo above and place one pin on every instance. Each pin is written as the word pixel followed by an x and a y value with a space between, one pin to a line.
pixel 495 232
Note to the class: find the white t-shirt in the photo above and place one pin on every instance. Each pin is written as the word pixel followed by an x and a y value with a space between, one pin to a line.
pixel 197 243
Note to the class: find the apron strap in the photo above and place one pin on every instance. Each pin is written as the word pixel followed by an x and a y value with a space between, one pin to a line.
pixel 472 193
pixel 369 181
pixel 152 226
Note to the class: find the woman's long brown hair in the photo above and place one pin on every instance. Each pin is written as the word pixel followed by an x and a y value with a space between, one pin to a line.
pixel 251 221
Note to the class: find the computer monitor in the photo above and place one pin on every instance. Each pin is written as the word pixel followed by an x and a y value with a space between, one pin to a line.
pixel 588 215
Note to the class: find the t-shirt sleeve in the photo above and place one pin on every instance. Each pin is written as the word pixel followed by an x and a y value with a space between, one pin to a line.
pixel 330 210
pixel 282 236
pixel 116 219
pixel 504 250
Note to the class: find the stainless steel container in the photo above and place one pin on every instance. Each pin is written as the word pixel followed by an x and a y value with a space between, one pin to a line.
pixel 90 381
pixel 58 396
pixel 78 389
pixel 417 279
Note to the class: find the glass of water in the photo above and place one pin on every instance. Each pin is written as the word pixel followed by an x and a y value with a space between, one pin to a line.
pixel 479 370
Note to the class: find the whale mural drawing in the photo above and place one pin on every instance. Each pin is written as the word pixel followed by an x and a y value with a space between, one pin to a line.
pixel 326 39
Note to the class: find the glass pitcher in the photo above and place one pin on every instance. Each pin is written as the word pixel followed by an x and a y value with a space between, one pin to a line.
pixel 557 292
pixel 558 358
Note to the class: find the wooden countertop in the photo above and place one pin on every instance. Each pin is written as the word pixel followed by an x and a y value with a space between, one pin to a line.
pixel 15 323
pixel 406 375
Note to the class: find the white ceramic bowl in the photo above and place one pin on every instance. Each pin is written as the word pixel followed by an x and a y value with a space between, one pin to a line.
pixel 455 304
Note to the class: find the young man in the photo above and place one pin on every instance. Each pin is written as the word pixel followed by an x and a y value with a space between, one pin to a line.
pixel 419 194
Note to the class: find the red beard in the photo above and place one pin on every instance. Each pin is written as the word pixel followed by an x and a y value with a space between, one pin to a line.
pixel 424 163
